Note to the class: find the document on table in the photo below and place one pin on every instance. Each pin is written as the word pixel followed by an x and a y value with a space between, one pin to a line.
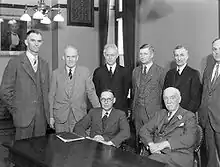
pixel 69 137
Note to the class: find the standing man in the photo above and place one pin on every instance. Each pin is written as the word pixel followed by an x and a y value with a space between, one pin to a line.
pixel 113 76
pixel 185 79
pixel 69 89
pixel 25 87
pixel 147 80
pixel 209 112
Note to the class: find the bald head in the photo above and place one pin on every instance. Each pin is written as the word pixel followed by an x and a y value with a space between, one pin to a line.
pixel 172 98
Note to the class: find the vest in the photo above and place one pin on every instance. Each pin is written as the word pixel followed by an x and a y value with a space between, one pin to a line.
pixel 141 90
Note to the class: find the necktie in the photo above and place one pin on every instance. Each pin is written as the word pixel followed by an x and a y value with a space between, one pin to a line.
pixel 144 70
pixel 70 73
pixel 111 73
pixel 35 65
pixel 178 71
pixel 104 120
pixel 216 74
pixel 35 61
pixel 169 115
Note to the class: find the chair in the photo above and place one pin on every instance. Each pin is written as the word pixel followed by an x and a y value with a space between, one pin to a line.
pixel 197 157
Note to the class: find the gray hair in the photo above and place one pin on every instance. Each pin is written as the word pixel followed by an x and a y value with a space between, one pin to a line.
pixel 107 46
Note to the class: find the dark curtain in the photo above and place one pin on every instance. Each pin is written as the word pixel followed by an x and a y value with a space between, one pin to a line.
pixel 103 27
pixel 129 16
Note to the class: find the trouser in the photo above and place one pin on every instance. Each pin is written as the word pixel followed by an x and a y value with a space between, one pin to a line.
pixel 67 126
pixel 140 118
pixel 37 127
pixel 212 139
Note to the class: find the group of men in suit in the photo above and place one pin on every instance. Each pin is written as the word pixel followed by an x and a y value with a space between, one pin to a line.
pixel 26 91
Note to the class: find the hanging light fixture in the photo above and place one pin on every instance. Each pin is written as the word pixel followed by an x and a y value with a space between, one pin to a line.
pixel 41 13
pixel 25 16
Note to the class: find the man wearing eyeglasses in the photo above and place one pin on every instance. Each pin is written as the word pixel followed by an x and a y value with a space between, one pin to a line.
pixel 107 124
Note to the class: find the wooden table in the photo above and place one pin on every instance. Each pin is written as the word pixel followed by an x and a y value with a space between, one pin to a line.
pixel 49 151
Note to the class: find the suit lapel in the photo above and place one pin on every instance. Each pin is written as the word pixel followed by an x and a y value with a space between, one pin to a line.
pixel 98 117
pixel 138 76
pixel 174 122
pixel 111 120
pixel 28 68
pixel 74 80
pixel 41 67
pixel 150 73
pixel 183 77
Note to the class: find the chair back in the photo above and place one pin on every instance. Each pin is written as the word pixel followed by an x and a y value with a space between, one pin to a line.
pixel 199 138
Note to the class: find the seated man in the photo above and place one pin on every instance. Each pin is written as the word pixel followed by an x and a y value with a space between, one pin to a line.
pixel 171 134
pixel 107 124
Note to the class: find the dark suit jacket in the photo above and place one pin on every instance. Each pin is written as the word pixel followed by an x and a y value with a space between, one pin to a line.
pixel 117 129
pixel 153 88
pixel 180 132
pixel 59 99
pixel 210 105
pixel 189 86
pixel 119 84
pixel 19 89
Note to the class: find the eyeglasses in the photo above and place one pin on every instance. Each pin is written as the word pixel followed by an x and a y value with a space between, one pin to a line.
pixel 103 100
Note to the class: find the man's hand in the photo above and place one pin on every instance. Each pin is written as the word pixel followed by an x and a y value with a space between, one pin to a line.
pixel 52 121
pixel 99 138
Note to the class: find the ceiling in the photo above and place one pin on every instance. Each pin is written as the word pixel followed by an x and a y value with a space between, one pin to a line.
pixel 34 2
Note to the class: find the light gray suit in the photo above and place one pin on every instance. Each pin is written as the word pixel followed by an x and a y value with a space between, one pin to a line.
pixel 70 96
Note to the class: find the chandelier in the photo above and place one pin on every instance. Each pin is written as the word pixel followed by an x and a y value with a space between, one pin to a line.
pixel 41 13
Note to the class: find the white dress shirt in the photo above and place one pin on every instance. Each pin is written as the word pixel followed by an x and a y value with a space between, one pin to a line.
pixel 148 67
pixel 103 113
pixel 180 69
pixel 68 69
pixel 213 72
pixel 113 67
pixel 172 114
pixel 33 60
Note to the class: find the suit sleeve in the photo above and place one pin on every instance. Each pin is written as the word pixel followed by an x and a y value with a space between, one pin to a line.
pixel 81 126
pixel 96 82
pixel 195 93
pixel 166 81
pixel 52 93
pixel 8 84
pixel 127 81
pixel 124 131
pixel 147 131
pixel 90 89
pixel 188 138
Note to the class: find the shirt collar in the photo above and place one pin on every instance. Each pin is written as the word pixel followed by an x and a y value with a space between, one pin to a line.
pixel 181 68
pixel 113 67
pixel 103 112
pixel 173 113
pixel 31 57
pixel 148 65
pixel 68 69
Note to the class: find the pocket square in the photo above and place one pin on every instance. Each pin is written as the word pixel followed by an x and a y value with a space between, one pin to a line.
pixel 182 124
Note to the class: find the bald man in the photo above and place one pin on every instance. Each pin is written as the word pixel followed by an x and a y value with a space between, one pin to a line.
pixel 171 134
pixel 69 85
